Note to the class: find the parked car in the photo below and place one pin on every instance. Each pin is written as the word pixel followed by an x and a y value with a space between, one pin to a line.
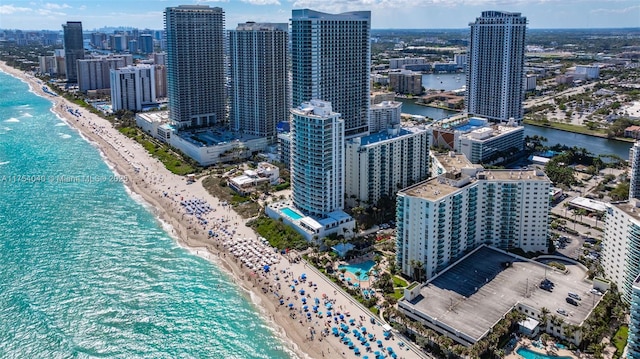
pixel 571 301
pixel 574 296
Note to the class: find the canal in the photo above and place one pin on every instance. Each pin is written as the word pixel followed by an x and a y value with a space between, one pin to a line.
pixel 447 82
pixel 595 145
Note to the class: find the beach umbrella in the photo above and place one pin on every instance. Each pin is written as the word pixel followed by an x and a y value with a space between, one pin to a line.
pixel 304 300
pixel 394 355
pixel 266 268
pixel 390 349
pixel 301 292
pixel 329 313
pixel 341 316
pixel 379 342
pixel 281 302
pixel 316 300
pixel 305 308
pixel 356 351
pixel 290 305
pixel 363 329
pixel 309 315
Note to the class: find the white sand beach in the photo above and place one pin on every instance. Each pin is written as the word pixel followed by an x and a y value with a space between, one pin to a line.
pixel 192 212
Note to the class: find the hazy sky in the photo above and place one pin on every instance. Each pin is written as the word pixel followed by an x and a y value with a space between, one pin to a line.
pixel 416 14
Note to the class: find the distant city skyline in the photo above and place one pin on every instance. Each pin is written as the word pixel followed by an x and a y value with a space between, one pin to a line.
pixel 397 14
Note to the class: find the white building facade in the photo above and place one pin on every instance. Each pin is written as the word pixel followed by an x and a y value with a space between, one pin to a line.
pixel 317 158
pixel 495 70
pixel 491 143
pixel 633 341
pixel 132 87
pixel 383 115
pixel 331 58
pixel 382 163
pixel 441 219
pixel 259 86
pixel 621 246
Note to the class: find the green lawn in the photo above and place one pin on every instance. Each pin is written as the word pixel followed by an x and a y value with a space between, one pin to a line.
pixel 171 160
pixel 620 340
pixel 399 282
pixel 567 127
pixel 398 293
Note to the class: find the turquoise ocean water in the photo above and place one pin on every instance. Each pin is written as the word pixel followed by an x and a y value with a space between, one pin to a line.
pixel 86 271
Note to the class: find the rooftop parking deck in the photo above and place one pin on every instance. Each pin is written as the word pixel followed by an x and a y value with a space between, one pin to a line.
pixel 473 294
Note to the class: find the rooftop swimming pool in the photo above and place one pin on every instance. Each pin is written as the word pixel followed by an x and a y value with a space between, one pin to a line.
pixel 528 354
pixel 363 268
pixel 469 126
pixel 291 213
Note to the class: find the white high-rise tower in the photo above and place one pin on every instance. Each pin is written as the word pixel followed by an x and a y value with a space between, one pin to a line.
pixel 331 57
pixel 317 158
pixel 495 66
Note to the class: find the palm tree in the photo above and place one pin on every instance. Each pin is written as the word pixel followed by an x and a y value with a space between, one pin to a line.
pixel 581 212
pixel 544 337
pixel 544 317
pixel 445 343
pixel 569 332
pixel 358 273
pixel 417 268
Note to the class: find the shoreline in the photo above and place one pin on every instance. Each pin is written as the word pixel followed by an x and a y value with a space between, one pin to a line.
pixel 303 334
pixel 188 239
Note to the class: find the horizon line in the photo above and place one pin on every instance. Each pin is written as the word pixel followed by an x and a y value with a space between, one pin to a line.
pixel 372 29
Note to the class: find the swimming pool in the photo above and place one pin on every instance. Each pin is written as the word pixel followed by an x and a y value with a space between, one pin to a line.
pixel 363 267
pixel 528 354
pixel 291 213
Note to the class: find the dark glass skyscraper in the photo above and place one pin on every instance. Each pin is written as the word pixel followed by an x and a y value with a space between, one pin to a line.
pixel 73 48
pixel 195 65
pixel 495 66
pixel 330 58
pixel 259 87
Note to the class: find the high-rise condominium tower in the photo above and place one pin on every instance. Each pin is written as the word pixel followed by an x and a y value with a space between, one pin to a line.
pixel 317 158
pixel 330 57
pixel 195 65
pixel 634 171
pixel 73 48
pixel 259 87
pixel 495 67
pixel 633 341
